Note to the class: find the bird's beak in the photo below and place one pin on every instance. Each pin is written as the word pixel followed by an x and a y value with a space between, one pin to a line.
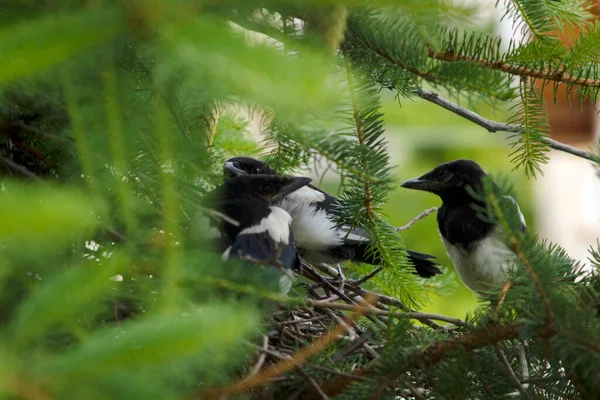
pixel 294 185
pixel 422 183
pixel 232 170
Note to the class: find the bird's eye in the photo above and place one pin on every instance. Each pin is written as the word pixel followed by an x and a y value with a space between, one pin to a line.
pixel 257 170
pixel 265 189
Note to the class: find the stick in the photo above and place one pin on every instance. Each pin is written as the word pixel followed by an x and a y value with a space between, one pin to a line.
pixel 493 126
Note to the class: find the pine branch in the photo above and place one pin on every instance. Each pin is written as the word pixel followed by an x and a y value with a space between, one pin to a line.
pixel 360 134
pixel 493 126
pixel 560 75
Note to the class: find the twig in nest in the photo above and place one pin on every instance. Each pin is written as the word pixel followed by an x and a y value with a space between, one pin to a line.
pixel 415 219
pixel 365 278
pixel 402 314
pixel 261 358
pixel 296 360
pixel 313 383
pixel 20 169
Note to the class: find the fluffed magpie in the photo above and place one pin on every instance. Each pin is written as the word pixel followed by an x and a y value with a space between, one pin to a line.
pixel 263 234
pixel 319 238
pixel 476 247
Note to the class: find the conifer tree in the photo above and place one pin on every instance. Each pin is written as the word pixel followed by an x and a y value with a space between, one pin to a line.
pixel 115 121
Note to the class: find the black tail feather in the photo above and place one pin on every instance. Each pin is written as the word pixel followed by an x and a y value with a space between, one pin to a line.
pixel 424 265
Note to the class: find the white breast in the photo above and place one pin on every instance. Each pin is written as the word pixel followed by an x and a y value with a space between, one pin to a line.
pixel 485 265
pixel 312 228
pixel 306 195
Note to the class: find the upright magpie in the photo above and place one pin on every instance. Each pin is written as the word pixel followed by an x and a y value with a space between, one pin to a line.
pixel 320 239
pixel 476 247
pixel 263 234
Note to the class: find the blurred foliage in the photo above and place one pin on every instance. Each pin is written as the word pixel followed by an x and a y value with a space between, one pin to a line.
pixel 115 120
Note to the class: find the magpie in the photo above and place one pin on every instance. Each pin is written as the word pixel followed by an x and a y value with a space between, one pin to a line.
pixel 319 238
pixel 476 247
pixel 262 234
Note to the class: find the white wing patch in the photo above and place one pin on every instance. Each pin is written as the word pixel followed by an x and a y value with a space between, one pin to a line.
pixel 277 223
pixel 306 195
pixel 485 265
pixel 313 229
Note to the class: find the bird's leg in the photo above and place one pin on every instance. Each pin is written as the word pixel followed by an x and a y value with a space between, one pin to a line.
pixel 341 277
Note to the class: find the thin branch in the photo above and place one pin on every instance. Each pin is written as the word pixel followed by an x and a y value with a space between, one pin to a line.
pixel 261 358
pixel 510 371
pixel 398 314
pixel 313 383
pixel 417 218
pixel 365 278
pixel 493 126
pixel 19 168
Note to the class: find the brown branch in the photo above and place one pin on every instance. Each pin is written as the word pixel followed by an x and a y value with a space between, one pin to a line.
pixel 578 386
pixel 559 75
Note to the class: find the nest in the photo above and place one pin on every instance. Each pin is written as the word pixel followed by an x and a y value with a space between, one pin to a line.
pixel 299 333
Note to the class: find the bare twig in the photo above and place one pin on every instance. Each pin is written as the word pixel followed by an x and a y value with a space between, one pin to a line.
pixel 261 358
pixel 313 383
pixel 401 314
pixel 509 369
pixel 19 168
pixel 365 278
pixel 417 218
pixel 523 361
pixel 493 126
pixel 411 389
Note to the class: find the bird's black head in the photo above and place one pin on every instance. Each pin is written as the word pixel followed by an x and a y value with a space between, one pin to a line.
pixel 449 180
pixel 268 188
pixel 237 166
